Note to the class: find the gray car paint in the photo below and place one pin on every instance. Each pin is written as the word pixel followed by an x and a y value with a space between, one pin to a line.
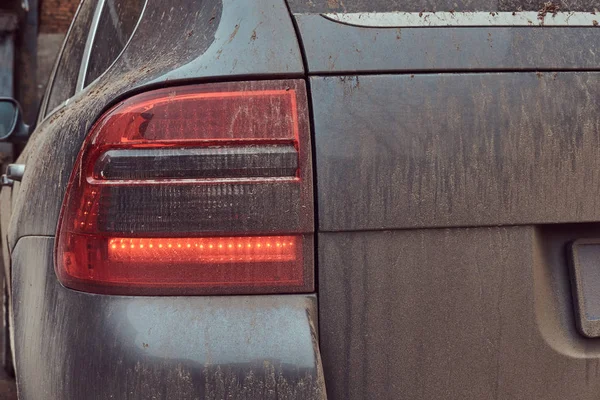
pixel 458 313
pixel 71 345
pixel 335 48
pixel 446 203
pixel 351 6
pixel 75 345
pixel 457 150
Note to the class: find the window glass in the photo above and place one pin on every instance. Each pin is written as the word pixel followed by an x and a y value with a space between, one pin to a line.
pixel 67 71
pixel 116 25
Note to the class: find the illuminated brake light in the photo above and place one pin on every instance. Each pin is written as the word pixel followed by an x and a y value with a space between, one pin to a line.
pixel 204 250
pixel 201 189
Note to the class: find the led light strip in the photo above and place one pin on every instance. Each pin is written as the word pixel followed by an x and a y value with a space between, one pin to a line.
pixel 466 19
pixel 215 250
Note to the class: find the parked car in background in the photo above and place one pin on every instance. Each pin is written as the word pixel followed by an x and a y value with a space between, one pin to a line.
pixel 310 199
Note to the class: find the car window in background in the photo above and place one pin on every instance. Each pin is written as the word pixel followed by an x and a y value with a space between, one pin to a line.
pixel 67 71
pixel 116 25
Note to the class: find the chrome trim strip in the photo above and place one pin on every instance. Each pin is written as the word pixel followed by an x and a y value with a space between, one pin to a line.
pixel 44 112
pixel 135 28
pixel 465 19
pixel 88 46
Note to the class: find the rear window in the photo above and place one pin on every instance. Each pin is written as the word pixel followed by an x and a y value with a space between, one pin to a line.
pixel 353 6
pixel 115 27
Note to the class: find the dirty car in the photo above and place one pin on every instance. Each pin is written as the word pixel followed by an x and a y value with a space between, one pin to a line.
pixel 308 200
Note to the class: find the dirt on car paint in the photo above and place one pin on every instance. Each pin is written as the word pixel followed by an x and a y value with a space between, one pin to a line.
pixel 548 8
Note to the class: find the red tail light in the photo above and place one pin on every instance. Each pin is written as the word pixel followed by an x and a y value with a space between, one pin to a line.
pixel 203 189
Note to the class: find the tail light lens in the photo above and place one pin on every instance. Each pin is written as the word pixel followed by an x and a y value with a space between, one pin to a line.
pixel 203 189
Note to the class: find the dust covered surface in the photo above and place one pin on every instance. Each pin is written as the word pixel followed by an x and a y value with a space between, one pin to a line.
pixel 348 6
pixel 457 150
pixel 461 314
pixel 268 383
pixel 81 345
pixel 333 47
pixel 248 382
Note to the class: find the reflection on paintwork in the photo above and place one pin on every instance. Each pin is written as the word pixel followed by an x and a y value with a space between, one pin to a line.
pixel 212 334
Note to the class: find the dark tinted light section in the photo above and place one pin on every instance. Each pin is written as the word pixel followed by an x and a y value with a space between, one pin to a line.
pixel 210 208
pixel 207 162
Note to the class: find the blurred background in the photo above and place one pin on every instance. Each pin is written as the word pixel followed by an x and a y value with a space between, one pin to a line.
pixel 31 35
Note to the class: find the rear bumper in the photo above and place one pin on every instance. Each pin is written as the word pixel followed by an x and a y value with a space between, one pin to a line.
pixel 73 345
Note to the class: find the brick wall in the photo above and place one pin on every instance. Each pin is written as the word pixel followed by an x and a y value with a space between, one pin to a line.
pixel 56 15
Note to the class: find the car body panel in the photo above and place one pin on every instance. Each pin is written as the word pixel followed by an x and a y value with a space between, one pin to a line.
pixel 77 345
pixel 447 194
pixel 461 313
pixel 361 6
pixel 336 48
pixel 446 203
pixel 446 150
pixel 251 39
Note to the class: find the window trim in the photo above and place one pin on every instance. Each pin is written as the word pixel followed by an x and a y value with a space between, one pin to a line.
pixel 88 51
pixel 44 112
pixel 83 67
pixel 85 59
pixel 47 113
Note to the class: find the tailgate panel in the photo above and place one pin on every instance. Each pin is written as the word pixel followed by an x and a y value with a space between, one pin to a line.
pixel 410 151
pixel 446 204
pixel 478 313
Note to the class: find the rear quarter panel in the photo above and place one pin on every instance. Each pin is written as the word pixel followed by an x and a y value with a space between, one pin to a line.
pixel 74 345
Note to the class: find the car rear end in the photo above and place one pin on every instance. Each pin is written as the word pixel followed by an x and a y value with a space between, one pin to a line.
pixel 266 200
